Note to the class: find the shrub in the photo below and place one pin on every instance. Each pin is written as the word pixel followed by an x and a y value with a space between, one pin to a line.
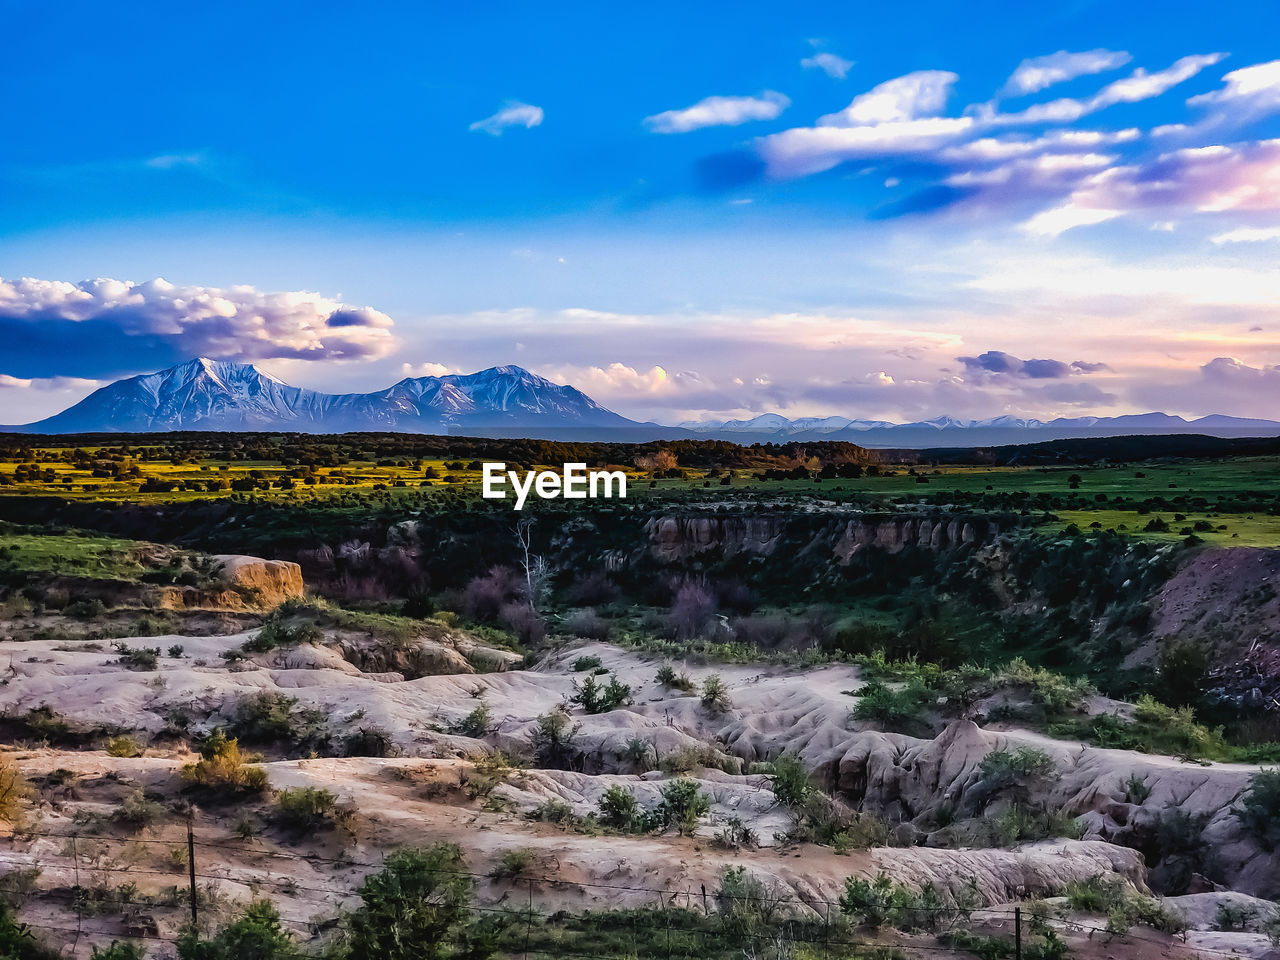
pixel 222 771
pixel 683 804
pixel 119 950
pixel 17 940
pixel 619 810
pixel 369 740
pixel 747 906
pixel 418 907
pixel 882 704
pixel 596 698
pixel 584 663
pixel 1259 809
pixel 1136 789
pixel 1025 824
pixel 276 633
pixel 270 717
pixel 554 740
pixel 1002 769
pixel 137 658
pixel 715 695
pixel 589 624
pixel 512 863
pixel 553 811
pixel 14 789
pixel 789 780
pixel 303 807
pixel 137 811
pixel 668 677
pixel 692 611
pixel 475 724
pixel 257 933
pixel 123 746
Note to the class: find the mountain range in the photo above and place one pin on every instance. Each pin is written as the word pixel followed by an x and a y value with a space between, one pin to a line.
pixel 507 401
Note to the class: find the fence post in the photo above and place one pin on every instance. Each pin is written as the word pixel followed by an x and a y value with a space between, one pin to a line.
pixel 1017 933
pixel 528 919
pixel 79 901
pixel 667 917
pixel 191 873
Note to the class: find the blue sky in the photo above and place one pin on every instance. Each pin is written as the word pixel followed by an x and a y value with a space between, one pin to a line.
pixel 686 210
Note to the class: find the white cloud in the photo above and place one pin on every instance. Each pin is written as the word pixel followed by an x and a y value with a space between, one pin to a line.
pixel 618 378
pixel 1208 179
pixel 995 149
pixel 513 114
pixel 719 112
pixel 893 118
pixel 232 323
pixel 427 369
pixel 1139 85
pixel 833 66
pixel 1258 82
pixel 1050 223
pixel 1247 94
pixel 1036 73
pixel 920 94
pixel 1247 235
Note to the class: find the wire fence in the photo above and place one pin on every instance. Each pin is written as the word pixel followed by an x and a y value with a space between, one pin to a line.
pixel 672 924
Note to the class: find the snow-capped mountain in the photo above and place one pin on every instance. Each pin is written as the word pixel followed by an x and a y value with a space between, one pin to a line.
pixel 207 394
pixel 951 431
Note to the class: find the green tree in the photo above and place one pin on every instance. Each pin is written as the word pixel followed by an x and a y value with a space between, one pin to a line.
pixel 418 907
pixel 256 934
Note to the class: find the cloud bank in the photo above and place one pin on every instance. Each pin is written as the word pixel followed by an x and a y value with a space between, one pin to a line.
pixel 98 327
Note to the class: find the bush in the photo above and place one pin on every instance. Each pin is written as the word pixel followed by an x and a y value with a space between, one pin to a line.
pixel 276 633
pixel 683 804
pixel 589 624
pixel 1259 809
pixel 748 907
pixel 715 695
pixel 692 611
pixel 137 658
pixel 119 950
pixel 222 772
pixel 270 717
pixel 257 934
pixel 123 746
pixel 1026 824
pixel 512 863
pixel 418 907
pixel 620 811
pixel 14 789
pixel 17 942
pixel 137 811
pixel 584 663
pixel 789 780
pixel 475 724
pixel 302 807
pixel 594 698
pixel 1002 769
pixel 554 740
pixel 882 704
pixel 668 677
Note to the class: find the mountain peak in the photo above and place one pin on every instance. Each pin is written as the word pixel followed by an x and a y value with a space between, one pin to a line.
pixel 207 394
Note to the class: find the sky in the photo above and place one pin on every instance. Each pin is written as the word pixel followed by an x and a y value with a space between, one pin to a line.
pixel 688 211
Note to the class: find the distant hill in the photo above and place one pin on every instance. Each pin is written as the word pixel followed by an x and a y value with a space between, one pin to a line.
pixel 952 432
pixel 511 402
